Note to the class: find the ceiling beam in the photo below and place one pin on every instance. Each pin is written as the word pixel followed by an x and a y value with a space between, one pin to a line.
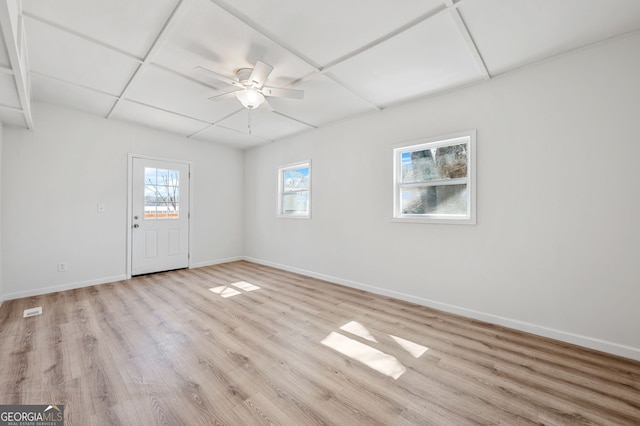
pixel 295 119
pixel 12 27
pixel 168 111
pixel 245 134
pixel 188 77
pixel 72 83
pixel 468 38
pixel 419 20
pixel 215 123
pixel 180 9
pixel 11 108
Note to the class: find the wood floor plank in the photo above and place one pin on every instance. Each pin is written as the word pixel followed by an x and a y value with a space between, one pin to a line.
pixel 165 349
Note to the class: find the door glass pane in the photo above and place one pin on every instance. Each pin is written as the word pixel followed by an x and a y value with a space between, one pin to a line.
pixel 149 193
pixel 174 176
pixel 443 199
pixel 161 193
pixel 163 176
pixel 150 176
pixel 445 162
pixel 162 210
pixel 173 209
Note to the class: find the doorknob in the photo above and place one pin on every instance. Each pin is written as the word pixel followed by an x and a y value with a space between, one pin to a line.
pixel 135 225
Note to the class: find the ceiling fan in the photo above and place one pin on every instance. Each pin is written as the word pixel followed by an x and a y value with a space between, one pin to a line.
pixel 251 86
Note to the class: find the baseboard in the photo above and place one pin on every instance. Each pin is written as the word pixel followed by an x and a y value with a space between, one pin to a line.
pixel 568 337
pixel 105 280
pixel 63 287
pixel 215 262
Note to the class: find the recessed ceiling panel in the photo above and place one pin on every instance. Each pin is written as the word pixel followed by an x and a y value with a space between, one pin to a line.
pixel 151 117
pixel 170 91
pixel 512 33
pixel 208 36
pixel 229 137
pixel 8 91
pixel 327 30
pixel 64 56
pixel 324 101
pixel 429 57
pixel 72 96
pixel 131 26
pixel 263 123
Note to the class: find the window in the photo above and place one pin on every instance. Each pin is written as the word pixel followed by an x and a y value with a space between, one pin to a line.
pixel 434 181
pixel 294 190
pixel 161 193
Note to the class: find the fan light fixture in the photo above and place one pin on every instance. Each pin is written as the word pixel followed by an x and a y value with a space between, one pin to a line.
pixel 250 98
pixel 250 84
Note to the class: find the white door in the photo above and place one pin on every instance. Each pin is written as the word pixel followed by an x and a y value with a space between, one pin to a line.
pixel 160 222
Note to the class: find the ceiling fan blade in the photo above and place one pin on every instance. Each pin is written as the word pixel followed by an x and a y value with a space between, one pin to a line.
pixel 260 73
pixel 221 77
pixel 283 93
pixel 223 96
pixel 266 105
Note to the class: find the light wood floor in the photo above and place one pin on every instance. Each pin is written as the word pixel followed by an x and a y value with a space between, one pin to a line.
pixel 164 349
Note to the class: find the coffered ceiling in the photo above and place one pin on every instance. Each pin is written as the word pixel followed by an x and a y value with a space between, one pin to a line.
pixel 139 60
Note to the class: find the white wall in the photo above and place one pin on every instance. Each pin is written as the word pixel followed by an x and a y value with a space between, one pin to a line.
pixel 556 247
pixel 54 177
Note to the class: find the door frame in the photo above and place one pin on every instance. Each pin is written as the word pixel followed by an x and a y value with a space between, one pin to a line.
pixel 130 158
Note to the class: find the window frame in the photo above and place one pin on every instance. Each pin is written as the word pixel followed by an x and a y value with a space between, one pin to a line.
pixel 281 192
pixel 467 136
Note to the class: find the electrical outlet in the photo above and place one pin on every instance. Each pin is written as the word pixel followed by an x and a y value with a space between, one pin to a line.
pixel 32 312
pixel 62 267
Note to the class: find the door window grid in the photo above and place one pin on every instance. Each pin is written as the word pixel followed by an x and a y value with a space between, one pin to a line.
pixel 161 193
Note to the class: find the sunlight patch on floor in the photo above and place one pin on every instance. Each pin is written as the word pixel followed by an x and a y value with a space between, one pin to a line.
pixel 358 329
pixel 245 286
pixel 413 348
pixel 368 355
pixel 227 291
pixel 373 358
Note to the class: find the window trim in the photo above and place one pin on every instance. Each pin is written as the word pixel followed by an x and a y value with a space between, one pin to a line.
pixel 468 136
pixel 281 170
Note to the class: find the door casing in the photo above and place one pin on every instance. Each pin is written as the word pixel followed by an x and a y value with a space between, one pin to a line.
pixel 130 182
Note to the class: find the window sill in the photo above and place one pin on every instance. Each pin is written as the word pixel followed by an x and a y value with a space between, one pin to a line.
pixel 465 220
pixel 292 216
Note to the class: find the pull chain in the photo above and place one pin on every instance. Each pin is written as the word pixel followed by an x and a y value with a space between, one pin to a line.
pixel 249 120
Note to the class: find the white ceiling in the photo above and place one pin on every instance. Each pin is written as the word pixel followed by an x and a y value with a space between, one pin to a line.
pixel 136 60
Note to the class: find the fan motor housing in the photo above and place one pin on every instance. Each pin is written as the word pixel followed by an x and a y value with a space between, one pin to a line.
pixel 243 75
